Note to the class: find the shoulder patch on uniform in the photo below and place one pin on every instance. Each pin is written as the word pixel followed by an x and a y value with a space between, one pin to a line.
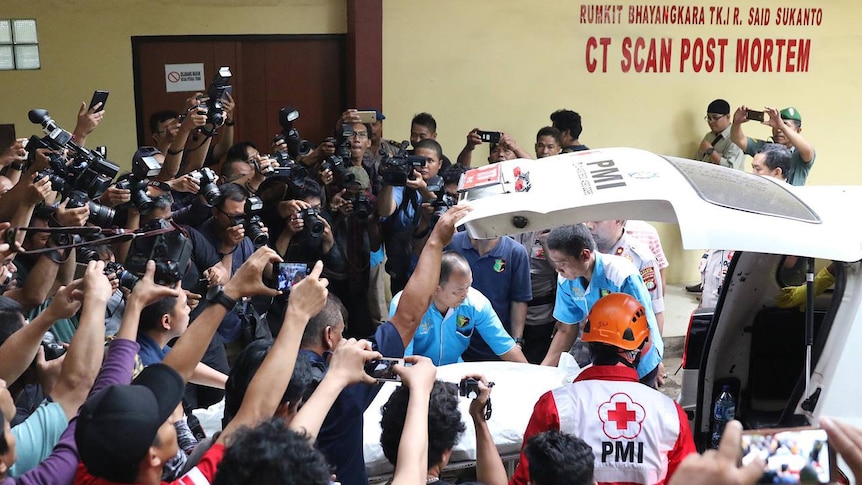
pixel 648 275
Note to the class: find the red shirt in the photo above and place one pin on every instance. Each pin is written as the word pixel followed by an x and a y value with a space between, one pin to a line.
pixel 203 474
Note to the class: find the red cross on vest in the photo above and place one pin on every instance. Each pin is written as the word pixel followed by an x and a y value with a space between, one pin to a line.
pixel 622 415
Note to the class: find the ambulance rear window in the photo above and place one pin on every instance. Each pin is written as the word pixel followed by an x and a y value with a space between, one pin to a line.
pixel 737 190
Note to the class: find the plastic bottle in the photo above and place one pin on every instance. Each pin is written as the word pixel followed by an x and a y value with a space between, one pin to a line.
pixel 723 412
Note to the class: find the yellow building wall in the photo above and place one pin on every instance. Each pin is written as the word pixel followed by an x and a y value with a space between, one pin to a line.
pixel 507 64
pixel 86 45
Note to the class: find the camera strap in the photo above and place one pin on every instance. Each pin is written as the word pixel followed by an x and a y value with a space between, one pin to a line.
pixel 115 235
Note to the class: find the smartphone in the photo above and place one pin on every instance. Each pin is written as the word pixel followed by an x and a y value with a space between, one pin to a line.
pixel 754 115
pixel 289 274
pixel 490 136
pixel 383 369
pixel 99 97
pixel 367 116
pixel 791 455
pixel 7 137
pixel 228 91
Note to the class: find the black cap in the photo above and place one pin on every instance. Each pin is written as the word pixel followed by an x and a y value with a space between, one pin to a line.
pixel 117 425
pixel 719 106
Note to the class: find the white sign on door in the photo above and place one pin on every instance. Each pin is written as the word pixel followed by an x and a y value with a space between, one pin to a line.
pixel 184 77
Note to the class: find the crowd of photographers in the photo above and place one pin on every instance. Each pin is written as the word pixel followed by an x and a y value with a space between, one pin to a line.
pixel 216 269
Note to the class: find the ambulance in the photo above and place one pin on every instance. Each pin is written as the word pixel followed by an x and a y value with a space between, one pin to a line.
pixel 784 366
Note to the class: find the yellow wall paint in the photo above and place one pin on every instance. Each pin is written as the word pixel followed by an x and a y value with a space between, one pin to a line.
pixel 507 64
pixel 86 45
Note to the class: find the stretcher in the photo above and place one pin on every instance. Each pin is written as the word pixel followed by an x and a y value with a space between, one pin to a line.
pixel 517 387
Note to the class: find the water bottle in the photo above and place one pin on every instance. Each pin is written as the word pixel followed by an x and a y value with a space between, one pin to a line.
pixel 723 412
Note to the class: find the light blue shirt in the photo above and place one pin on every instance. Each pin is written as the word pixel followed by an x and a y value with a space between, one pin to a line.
pixel 444 338
pixel 612 274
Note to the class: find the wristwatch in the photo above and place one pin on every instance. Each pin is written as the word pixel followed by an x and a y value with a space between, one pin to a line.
pixel 709 151
pixel 216 295
pixel 519 341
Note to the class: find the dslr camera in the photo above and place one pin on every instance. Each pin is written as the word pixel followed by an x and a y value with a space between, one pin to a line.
pixel 361 205
pixel 206 178
pixel 144 166
pixel 397 170
pixel 127 280
pixel 253 206
pixel 83 177
pixel 214 103
pixel 296 145
pixel 337 163
pixel 312 225
pixel 171 250
pixel 53 349
pixel 443 201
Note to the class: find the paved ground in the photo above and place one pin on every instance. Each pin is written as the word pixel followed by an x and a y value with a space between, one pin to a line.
pixel 678 307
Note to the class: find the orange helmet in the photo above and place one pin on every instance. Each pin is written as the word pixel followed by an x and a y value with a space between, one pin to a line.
pixel 619 320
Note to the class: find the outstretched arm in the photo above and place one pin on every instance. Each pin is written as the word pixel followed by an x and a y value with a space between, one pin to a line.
pixel 345 368
pixel 84 358
pixel 416 297
pixel 411 466
pixel 247 281
pixel 267 387
pixel 740 116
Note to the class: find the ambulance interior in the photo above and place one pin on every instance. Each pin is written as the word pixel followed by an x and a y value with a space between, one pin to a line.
pixel 758 349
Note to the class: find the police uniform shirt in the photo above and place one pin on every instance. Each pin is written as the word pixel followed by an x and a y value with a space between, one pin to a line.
pixel 444 338
pixel 612 274
pixel 645 262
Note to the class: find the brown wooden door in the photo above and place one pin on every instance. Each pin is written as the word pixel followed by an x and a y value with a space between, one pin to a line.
pixel 307 72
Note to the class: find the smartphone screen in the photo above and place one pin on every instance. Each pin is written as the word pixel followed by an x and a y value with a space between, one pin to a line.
pixel 791 455
pixel 383 369
pixel 754 115
pixel 99 97
pixel 289 274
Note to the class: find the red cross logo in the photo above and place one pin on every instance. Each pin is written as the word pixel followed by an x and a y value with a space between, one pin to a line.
pixel 621 417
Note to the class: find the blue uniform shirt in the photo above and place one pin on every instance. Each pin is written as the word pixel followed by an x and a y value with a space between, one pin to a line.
pixel 444 339
pixel 612 274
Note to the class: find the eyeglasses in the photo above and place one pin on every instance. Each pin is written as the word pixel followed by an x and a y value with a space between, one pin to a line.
pixel 359 134
pixel 713 118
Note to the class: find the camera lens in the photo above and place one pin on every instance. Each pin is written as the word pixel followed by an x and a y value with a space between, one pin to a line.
pixel 101 215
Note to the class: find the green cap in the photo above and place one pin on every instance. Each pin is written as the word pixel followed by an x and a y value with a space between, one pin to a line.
pixel 791 113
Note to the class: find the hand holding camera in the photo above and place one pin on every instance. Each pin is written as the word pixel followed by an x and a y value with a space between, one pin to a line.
pixel 68 217
pixel 248 279
pixel 419 377
pixel 146 291
pixel 96 284
pixel 115 196
pixel 38 189
pixel 474 139
pixel 308 296
pixel 349 362
pixel 478 388
pixel 67 300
